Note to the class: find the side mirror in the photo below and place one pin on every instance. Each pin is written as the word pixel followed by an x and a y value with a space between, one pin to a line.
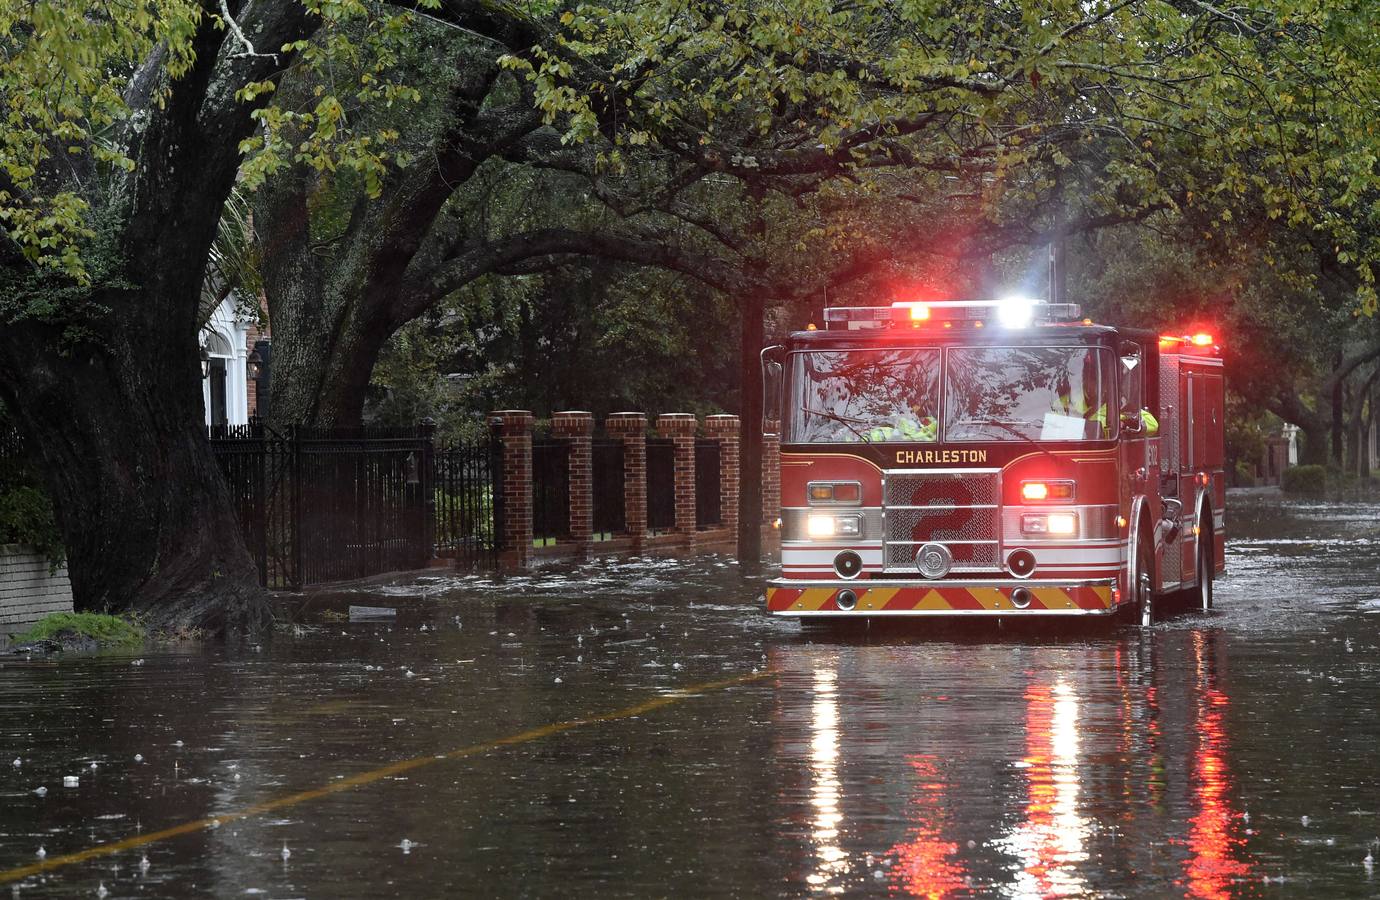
pixel 771 391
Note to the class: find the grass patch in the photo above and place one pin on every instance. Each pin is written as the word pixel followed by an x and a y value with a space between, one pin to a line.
pixel 108 631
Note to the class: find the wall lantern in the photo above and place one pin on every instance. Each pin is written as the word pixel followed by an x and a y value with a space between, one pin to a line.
pixel 205 363
pixel 253 365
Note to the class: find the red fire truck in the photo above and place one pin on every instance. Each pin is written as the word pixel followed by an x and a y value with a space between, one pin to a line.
pixel 995 458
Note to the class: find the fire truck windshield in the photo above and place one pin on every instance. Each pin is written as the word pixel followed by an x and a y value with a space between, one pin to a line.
pixel 990 394
pixel 1036 393
pixel 840 396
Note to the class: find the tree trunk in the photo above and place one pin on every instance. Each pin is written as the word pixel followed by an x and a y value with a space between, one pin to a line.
pixel 750 436
pixel 1338 406
pixel 116 426
pixel 1315 443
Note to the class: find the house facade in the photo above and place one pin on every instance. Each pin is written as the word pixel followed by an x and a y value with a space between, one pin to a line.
pixel 234 378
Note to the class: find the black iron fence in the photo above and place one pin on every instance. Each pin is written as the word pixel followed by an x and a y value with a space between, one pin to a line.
pixel 661 484
pixel 606 473
pixel 318 505
pixel 550 490
pixel 469 502
pixel 708 511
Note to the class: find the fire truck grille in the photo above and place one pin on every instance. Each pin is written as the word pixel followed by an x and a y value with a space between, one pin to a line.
pixel 959 510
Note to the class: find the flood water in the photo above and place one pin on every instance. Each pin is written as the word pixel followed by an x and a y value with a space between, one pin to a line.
pixel 1233 754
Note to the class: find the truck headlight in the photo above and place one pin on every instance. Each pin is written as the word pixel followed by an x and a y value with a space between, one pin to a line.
pixel 1050 523
pixel 830 526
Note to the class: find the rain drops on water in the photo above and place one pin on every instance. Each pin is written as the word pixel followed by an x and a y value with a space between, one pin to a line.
pixel 138 757
pixel 41 852
pixel 41 791
pixel 17 762
pixel 101 891
pixel 70 781
pixel 177 743
pixel 407 846
pixel 1304 821
pixel 286 853
pixel 144 863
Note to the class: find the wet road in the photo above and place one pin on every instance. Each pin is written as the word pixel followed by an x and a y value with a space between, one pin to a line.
pixel 1234 754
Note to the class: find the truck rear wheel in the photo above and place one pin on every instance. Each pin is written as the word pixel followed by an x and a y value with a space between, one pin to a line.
pixel 1206 564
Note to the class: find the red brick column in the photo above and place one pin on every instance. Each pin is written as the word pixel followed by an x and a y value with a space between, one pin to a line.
pixel 771 475
pixel 513 428
pixel 578 428
pixel 680 428
pixel 631 428
pixel 724 429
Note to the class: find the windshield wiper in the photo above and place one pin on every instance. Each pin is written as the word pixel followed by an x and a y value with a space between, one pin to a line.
pixel 1025 437
pixel 881 458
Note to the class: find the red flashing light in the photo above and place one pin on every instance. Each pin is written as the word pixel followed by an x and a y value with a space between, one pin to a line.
pixel 919 313
pixel 1202 339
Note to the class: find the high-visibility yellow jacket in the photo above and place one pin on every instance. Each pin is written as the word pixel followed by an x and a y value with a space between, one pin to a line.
pixel 926 430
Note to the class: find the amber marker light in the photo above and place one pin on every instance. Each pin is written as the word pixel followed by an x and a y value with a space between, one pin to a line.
pixel 1035 491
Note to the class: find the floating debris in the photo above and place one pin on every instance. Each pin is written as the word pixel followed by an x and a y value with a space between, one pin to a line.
pixel 365 613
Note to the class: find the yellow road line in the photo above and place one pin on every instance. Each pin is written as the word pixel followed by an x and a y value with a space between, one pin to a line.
pixel 363 778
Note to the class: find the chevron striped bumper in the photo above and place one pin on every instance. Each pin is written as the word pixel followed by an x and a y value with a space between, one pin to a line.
pixel 788 597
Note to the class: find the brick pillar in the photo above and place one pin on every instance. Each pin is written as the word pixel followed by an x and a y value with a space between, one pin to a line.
pixel 724 429
pixel 631 428
pixel 771 475
pixel 680 428
pixel 578 428
pixel 513 428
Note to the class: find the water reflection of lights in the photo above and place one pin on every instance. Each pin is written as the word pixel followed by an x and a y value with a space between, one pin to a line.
pixel 825 795
pixel 1051 842
pixel 1216 849
pixel 925 864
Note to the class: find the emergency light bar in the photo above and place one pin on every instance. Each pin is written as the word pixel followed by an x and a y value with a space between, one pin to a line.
pixel 1011 313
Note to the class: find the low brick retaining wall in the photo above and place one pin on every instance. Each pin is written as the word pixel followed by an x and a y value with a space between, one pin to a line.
pixel 28 592
pixel 684 526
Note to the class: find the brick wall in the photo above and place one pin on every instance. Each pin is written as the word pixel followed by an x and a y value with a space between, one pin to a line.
pixel 578 428
pixel 771 475
pixel 27 591
pixel 631 427
pixel 513 429
pixel 724 429
pixel 680 428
